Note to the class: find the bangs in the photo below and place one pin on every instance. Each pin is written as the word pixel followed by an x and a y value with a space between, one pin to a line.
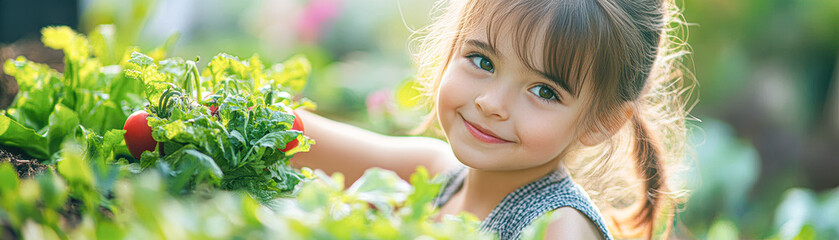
pixel 567 32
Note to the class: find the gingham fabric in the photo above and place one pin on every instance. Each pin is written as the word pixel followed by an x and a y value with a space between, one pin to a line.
pixel 519 208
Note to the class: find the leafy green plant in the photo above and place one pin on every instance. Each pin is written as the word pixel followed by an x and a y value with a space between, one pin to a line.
pixel 238 144
pixel 235 147
pixel 52 105
pixel 378 206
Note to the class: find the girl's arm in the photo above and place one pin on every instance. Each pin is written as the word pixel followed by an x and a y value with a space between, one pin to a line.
pixel 351 150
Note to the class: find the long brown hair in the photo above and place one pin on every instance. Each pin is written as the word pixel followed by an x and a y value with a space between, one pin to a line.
pixel 625 52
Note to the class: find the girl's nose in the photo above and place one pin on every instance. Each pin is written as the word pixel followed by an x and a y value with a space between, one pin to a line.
pixel 492 103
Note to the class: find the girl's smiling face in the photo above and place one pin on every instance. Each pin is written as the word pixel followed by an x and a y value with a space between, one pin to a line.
pixel 498 114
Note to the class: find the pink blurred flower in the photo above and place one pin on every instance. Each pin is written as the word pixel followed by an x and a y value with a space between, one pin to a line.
pixel 315 16
pixel 377 101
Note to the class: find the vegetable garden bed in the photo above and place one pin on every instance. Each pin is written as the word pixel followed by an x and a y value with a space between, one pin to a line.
pixel 218 165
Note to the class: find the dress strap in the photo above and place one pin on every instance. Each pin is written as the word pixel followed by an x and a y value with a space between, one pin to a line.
pixel 453 181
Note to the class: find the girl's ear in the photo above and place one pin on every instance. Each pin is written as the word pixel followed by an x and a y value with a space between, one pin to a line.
pixel 606 126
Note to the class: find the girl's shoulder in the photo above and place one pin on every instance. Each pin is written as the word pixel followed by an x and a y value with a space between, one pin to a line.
pixel 568 223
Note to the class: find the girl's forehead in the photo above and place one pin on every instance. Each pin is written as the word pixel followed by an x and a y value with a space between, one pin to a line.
pixel 509 41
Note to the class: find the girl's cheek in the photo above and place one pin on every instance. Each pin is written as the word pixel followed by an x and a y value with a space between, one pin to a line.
pixel 449 89
pixel 444 99
pixel 548 133
pixel 447 99
pixel 454 95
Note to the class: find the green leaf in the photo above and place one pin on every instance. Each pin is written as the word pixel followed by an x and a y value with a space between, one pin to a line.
pixel 384 189
pixel 317 193
pixel 38 84
pixel 142 67
pixel 101 149
pixel 9 181
pixel 286 177
pixel 53 190
pixel 29 74
pixel 291 74
pixel 74 168
pixel 123 90
pixel 425 190
pixel 14 134
pixel 175 69
pixel 103 40
pixel 273 140
pixel 75 46
pixel 148 159
pixel 113 139
pixel 192 166
pixel 254 68
pixel 205 161
pixel 223 66
pixel 62 122
pixel 141 60
pixel 103 116
pixel 88 76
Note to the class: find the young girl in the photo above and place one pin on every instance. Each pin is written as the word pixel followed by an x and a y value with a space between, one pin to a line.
pixel 526 92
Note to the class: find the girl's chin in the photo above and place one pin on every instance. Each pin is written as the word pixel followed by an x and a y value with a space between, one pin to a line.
pixel 472 161
pixel 483 162
pixel 495 163
pixel 476 158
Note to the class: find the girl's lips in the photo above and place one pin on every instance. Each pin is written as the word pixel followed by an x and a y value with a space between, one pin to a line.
pixel 483 134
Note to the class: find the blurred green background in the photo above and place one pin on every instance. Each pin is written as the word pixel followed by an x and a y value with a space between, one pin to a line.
pixel 766 150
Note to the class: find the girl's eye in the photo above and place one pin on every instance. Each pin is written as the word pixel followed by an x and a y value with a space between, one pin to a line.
pixel 482 62
pixel 544 92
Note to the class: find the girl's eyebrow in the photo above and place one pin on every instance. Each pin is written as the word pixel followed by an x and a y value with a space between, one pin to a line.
pixel 483 46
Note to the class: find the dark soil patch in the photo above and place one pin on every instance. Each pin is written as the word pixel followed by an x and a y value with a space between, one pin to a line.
pixel 25 166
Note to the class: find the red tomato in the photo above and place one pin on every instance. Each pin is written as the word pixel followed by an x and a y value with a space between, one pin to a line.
pixel 297 125
pixel 138 134
pixel 212 103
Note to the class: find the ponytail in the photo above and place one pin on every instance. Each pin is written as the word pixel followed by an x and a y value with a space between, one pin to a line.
pixel 650 168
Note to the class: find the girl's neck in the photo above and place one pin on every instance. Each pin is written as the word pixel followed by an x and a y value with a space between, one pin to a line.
pixel 483 190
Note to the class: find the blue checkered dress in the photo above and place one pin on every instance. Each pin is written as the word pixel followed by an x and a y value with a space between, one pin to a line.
pixel 519 208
